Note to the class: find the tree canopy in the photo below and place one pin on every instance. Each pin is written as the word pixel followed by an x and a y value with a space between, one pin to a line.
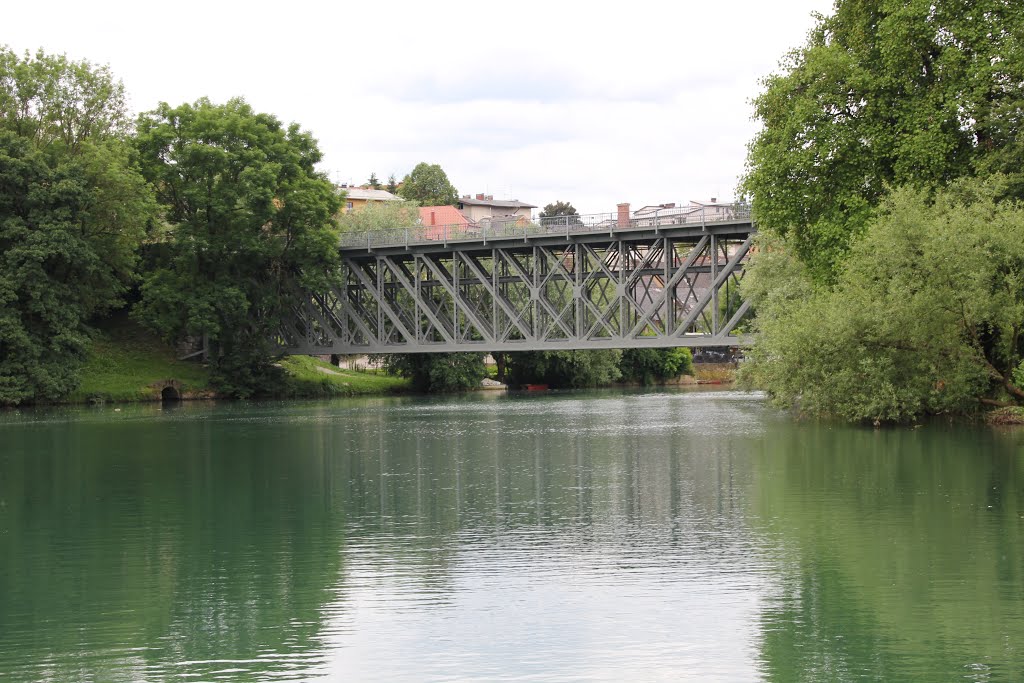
pixel 565 369
pixel 884 180
pixel 52 100
pixel 926 315
pixel 73 210
pixel 647 366
pixel 250 221
pixel 436 372
pixel 428 185
pixel 884 93
pixel 380 216
pixel 558 209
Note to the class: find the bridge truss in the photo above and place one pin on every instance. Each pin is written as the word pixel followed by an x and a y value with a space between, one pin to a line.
pixel 625 288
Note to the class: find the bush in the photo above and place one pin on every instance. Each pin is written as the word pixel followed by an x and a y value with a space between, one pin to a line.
pixel 926 317
pixel 565 369
pixel 437 372
pixel 648 366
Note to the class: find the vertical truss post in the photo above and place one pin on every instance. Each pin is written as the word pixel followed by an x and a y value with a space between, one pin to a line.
pixel 714 289
pixel 572 288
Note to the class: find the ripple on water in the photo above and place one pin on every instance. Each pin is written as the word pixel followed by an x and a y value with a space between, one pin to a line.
pixel 637 535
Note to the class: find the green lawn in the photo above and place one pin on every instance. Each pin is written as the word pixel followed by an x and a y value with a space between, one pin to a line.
pixel 313 378
pixel 127 363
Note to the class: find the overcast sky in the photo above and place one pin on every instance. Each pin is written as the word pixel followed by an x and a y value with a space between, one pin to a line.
pixel 592 103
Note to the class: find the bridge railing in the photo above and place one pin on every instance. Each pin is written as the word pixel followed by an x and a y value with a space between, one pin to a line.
pixel 506 228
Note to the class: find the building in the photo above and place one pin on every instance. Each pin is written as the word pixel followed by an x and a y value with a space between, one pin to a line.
pixel 442 222
pixel 662 214
pixel 357 197
pixel 485 210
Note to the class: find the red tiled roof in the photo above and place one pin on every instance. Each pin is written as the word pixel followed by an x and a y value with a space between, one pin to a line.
pixel 442 215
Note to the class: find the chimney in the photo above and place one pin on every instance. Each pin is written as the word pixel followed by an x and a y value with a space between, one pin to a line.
pixel 480 196
pixel 623 221
pixel 432 218
pixel 714 199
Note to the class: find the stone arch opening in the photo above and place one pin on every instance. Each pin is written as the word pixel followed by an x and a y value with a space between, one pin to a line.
pixel 169 394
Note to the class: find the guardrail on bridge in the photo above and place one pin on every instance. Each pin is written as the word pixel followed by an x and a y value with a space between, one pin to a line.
pixel 511 228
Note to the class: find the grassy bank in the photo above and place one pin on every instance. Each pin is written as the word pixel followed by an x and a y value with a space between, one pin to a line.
pixel 313 378
pixel 127 363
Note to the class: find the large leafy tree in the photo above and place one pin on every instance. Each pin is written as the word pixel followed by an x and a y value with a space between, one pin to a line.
pixel 559 213
pixel 250 220
pixel 927 314
pixel 73 210
pixel 428 185
pixel 558 209
pixel 885 93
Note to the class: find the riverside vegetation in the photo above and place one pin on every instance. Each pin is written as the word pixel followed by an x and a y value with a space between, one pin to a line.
pixel 887 183
pixel 122 237
pixel 886 180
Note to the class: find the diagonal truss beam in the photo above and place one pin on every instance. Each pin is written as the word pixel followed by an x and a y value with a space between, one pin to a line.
pixel 728 271
pixel 565 292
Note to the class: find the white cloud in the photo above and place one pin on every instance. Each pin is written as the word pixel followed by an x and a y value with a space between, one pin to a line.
pixel 642 102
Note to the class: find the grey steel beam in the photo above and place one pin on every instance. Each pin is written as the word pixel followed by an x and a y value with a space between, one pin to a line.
pixel 566 291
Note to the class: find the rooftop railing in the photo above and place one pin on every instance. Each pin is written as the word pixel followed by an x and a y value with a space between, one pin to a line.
pixel 510 228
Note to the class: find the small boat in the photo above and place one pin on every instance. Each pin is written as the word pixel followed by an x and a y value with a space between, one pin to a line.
pixel 536 387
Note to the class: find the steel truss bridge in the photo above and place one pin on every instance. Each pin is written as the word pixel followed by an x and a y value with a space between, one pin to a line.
pixel 575 282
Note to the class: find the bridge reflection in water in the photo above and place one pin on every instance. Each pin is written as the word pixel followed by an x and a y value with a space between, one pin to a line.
pixel 572 282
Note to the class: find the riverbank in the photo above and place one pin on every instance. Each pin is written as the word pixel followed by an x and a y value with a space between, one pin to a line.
pixel 128 364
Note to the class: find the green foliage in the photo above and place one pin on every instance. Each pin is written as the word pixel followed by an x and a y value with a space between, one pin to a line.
pixel 648 366
pixel 392 186
pixel 124 361
pixel 251 220
pixel 565 369
pixel 380 216
pixel 428 185
pixel 558 209
pixel 926 316
pixel 55 102
pixel 913 93
pixel 313 378
pixel 373 182
pixel 437 372
pixel 73 210
pixel 559 213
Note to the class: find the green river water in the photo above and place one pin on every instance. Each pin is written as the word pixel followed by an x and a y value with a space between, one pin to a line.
pixel 567 536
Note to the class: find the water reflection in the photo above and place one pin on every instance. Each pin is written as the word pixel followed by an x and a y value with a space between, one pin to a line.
pixel 596 536
pixel 903 554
